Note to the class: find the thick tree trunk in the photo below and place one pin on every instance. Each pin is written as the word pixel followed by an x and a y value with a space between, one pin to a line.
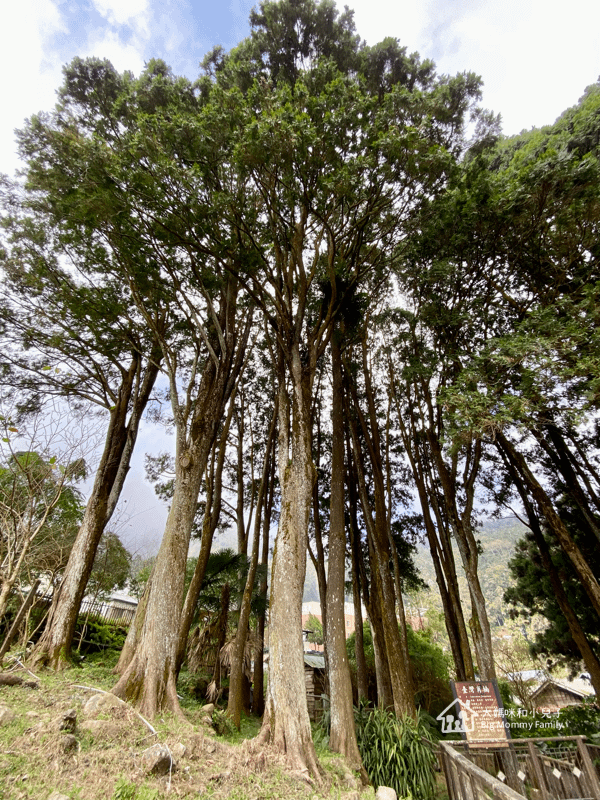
pixel 209 526
pixel 342 737
pixel 150 677
pixel 53 648
pixel 288 723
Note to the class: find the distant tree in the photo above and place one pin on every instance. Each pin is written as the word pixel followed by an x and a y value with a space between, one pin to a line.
pixel 41 458
pixel 315 630
pixel 533 593
pixel 112 567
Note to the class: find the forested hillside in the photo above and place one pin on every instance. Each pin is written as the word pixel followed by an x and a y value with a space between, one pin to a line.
pixel 497 538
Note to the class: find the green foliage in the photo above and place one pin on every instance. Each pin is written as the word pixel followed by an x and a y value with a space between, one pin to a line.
pixel 222 722
pixel 397 752
pixel 99 634
pixel 430 666
pixel 581 720
pixel 532 592
pixel 124 790
pixel 112 567
pixel 315 630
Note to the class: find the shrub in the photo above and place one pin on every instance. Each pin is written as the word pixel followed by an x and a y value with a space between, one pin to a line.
pixel 397 752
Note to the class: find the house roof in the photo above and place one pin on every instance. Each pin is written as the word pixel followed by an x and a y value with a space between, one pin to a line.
pixel 316 662
pixel 569 689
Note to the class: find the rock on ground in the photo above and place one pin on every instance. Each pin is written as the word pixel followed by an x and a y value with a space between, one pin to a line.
pixel 157 760
pixel 100 704
pixel 386 793
pixel 7 715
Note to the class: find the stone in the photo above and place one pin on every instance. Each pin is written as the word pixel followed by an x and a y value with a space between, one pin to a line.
pixel 58 796
pixel 7 715
pixel 386 793
pixel 68 721
pixel 67 743
pixel 157 760
pixel 178 751
pixel 100 704
pixel 208 709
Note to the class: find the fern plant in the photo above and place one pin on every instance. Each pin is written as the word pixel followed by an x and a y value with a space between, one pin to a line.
pixel 397 752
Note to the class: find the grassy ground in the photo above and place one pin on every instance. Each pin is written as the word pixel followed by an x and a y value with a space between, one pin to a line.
pixel 105 760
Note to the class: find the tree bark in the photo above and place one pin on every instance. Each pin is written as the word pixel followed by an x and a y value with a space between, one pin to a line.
pixel 209 525
pixel 381 578
pixel 288 724
pixel 53 648
pixel 342 737
pixel 234 705
pixel 258 704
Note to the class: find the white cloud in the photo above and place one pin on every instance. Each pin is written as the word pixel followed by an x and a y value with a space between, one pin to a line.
pixel 123 56
pixel 119 12
pixel 535 60
pixel 31 70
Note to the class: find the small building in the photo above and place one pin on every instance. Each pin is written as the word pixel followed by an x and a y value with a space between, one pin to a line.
pixel 314 679
pixel 551 696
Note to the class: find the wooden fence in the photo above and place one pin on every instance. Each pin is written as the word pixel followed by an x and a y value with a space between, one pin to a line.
pixel 554 768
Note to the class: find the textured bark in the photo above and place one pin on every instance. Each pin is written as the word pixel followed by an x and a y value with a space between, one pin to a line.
pixel 235 702
pixel 258 703
pixel 582 568
pixel 362 686
pixel 209 526
pixel 342 737
pixel 288 724
pixel 53 648
pixel 379 550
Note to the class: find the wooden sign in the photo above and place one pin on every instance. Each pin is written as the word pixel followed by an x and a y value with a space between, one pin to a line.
pixel 476 713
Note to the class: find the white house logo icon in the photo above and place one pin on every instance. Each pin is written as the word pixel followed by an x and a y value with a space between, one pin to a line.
pixel 458 717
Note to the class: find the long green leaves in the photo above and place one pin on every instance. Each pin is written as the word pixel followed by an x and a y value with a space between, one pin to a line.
pixel 397 752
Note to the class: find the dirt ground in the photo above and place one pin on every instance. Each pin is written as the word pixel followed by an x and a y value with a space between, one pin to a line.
pixel 53 739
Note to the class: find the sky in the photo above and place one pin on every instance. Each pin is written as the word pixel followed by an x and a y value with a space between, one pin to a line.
pixel 535 57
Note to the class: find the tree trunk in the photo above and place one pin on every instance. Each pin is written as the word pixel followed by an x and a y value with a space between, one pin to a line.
pixel 209 525
pixel 288 723
pixel 234 706
pixel 582 568
pixel 381 578
pixel 441 550
pixel 589 657
pixel 258 703
pixel 150 677
pixel 53 648
pixel 467 545
pixel 342 737
pixel 362 685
